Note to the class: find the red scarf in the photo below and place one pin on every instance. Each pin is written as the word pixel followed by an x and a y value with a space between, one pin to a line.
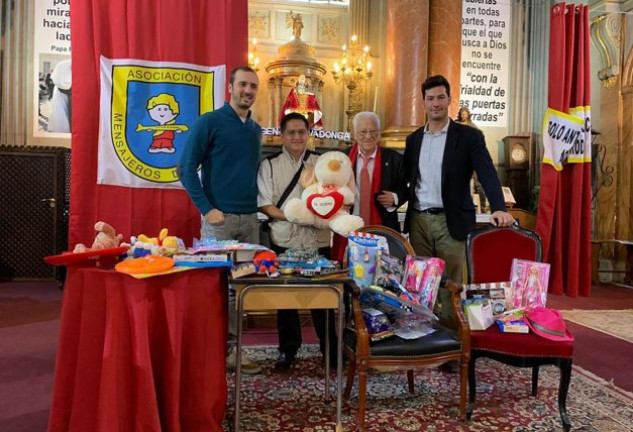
pixel 374 218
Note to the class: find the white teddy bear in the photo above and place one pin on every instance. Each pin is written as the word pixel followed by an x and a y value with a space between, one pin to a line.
pixel 327 196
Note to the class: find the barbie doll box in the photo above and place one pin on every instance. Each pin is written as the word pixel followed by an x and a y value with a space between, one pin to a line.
pixel 422 278
pixel 529 283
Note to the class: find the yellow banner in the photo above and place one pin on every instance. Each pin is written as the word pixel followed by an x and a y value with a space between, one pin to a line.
pixel 567 137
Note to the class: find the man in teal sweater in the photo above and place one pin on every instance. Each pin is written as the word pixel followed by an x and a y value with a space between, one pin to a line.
pixel 226 144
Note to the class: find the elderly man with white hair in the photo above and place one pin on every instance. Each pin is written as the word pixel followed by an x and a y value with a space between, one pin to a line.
pixel 380 184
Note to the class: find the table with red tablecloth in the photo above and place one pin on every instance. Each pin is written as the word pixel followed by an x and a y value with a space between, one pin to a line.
pixel 141 354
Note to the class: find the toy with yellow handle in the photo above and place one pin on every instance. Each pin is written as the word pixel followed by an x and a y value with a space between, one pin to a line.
pixel 169 245
pixel 143 238
pixel 164 244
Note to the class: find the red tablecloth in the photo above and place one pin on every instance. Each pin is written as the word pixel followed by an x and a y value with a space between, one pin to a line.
pixel 141 355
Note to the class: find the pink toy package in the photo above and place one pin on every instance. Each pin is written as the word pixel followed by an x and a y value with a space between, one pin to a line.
pixel 529 283
pixel 422 278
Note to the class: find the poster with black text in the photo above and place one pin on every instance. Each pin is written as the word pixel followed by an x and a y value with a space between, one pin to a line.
pixel 485 64
pixel 52 107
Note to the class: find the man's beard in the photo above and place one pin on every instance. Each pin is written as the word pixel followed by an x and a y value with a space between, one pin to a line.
pixel 245 102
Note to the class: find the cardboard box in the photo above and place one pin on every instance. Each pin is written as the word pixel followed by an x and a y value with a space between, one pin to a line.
pixel 479 315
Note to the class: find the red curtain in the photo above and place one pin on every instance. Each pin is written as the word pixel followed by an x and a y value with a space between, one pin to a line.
pixel 564 213
pixel 201 32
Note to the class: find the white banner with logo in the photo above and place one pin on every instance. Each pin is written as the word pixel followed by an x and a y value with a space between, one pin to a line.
pixel 567 137
pixel 147 111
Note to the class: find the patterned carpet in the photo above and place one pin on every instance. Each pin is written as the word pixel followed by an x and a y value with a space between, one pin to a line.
pixel 617 323
pixel 294 401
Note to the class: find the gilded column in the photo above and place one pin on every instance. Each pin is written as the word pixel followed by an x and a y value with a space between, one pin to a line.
pixel 273 113
pixel 406 67
pixel 445 44
pixel 359 20
pixel 278 98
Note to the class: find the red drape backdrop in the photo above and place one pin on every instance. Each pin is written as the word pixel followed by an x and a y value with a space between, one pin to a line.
pixel 202 32
pixel 564 213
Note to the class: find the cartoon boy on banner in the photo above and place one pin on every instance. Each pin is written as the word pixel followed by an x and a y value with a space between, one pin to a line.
pixel 163 109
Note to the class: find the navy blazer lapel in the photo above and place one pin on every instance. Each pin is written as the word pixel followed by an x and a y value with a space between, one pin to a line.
pixel 417 146
pixel 452 136
pixel 383 168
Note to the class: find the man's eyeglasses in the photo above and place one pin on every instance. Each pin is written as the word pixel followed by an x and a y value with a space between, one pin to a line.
pixel 368 133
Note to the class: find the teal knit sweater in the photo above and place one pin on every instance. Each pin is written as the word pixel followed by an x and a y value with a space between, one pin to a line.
pixel 227 150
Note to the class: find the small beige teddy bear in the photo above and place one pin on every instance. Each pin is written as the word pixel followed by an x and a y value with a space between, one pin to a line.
pixel 327 196
pixel 106 238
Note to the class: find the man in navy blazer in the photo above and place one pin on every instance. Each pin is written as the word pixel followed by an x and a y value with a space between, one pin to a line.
pixel 439 161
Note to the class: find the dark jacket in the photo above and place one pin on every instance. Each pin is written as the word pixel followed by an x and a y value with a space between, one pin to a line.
pixel 391 179
pixel 464 153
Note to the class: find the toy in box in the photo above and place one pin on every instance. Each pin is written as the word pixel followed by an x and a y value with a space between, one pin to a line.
pixel 241 252
pixel 395 307
pixel 306 262
pixel 399 290
pixel 479 313
pixel 388 268
pixel 363 251
pixel 529 284
pixel 378 325
pixel 512 322
pixel 422 278
pixel 375 320
pixel 499 294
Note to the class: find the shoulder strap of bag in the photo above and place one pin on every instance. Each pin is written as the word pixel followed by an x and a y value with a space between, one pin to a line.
pixel 294 181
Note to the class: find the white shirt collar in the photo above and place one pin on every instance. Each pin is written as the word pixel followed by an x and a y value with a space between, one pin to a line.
pixel 443 130
pixel 371 156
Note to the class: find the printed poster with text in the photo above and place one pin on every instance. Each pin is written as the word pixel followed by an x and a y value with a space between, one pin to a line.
pixel 52 72
pixel 485 66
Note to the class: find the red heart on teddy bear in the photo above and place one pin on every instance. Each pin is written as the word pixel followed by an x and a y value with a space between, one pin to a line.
pixel 325 205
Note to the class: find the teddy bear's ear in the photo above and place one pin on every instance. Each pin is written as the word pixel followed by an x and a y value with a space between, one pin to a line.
pixel 307 177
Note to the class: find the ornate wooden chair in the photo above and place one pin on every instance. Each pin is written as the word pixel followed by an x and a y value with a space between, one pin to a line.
pixel 450 342
pixel 526 218
pixel 489 255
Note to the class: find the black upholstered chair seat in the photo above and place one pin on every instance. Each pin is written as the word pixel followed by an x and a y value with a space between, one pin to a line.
pixel 441 341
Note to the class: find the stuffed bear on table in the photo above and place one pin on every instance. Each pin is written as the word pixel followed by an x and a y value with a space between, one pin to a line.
pixel 106 238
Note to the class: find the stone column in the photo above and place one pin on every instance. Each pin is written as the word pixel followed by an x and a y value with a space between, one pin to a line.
pixel 406 66
pixel 445 45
